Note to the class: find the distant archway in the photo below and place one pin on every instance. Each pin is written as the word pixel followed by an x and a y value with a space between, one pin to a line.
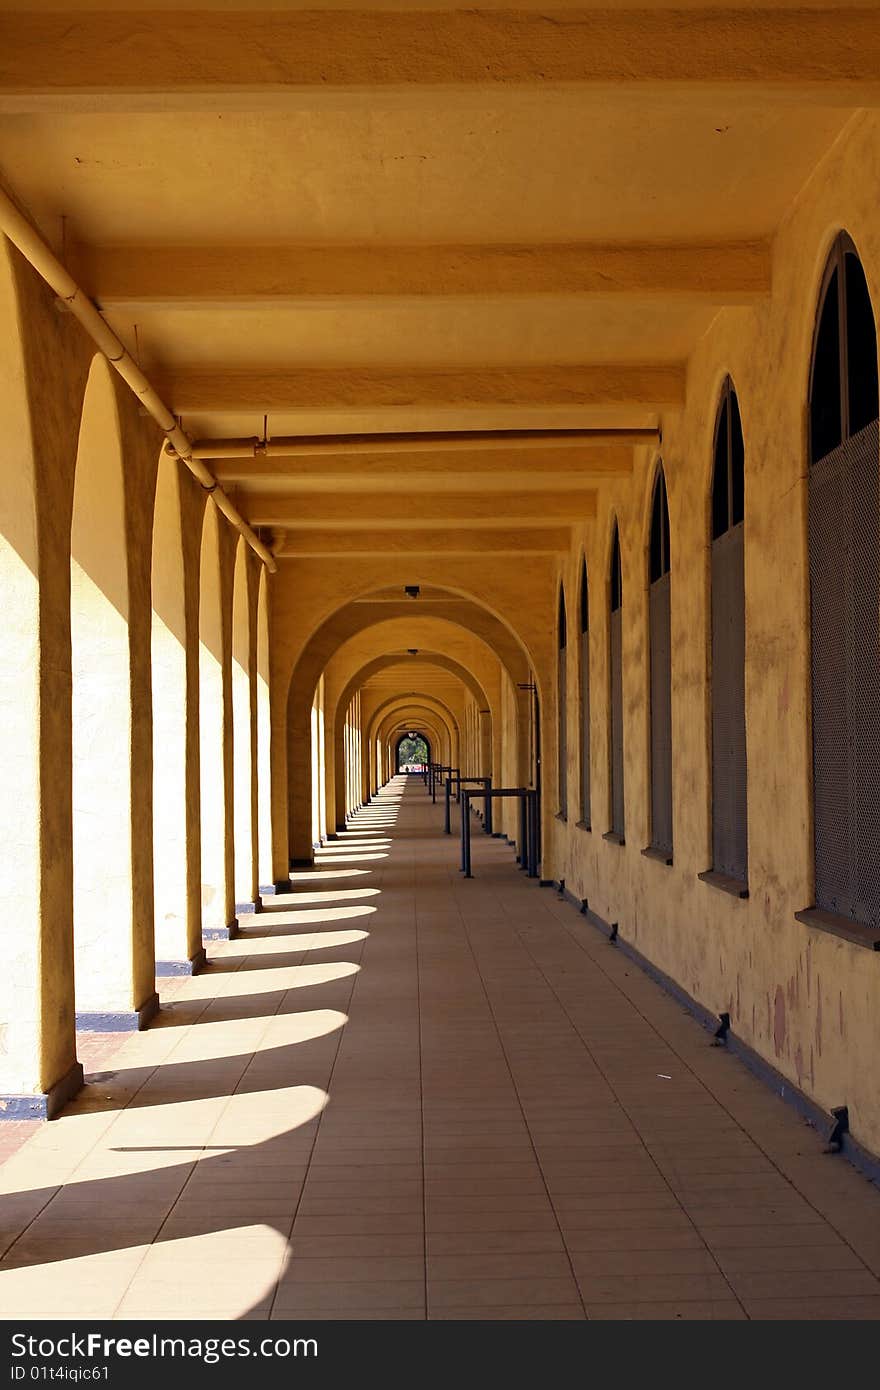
pixel 412 753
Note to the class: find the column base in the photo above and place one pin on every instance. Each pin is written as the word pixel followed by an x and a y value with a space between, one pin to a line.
pixel 127 1022
pixel 302 863
pixel 44 1105
pixel 248 909
pixel 228 933
pixel 192 966
pixel 270 890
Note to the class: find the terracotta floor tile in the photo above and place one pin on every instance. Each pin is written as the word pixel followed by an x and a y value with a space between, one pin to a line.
pixel 345 1106
pixel 827 1308
pixel 718 1310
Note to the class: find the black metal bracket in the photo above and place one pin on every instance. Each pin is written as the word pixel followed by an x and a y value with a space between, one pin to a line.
pixel 839 1127
pixel 719 1037
pixel 612 935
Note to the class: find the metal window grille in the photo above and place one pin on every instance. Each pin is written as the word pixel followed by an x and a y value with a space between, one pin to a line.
pixel 660 663
pixel 729 768
pixel 615 672
pixel 617 802
pixel 586 808
pixel 845 623
pixel 661 717
pixel 729 787
pixel 562 709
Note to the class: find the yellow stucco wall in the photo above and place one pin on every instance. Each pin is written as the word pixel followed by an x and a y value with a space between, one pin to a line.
pixel 807 1001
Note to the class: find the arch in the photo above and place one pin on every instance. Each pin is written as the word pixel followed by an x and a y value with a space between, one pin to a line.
pixel 264 735
pixel 38 1056
pixel 416 708
pixel 844 556
pixel 395 721
pixel 424 702
pixel 345 623
pixel 177 925
pixel 420 753
pixel 435 727
pixel 584 703
pixel 440 644
pixel 562 706
pixel 728 699
pixel 244 733
pixel 660 670
pixel 113 951
pixel 317 762
pixel 615 682
pixel 214 743
pixel 358 681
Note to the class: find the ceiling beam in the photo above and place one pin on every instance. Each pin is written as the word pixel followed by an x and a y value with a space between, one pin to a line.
pixel 364 388
pixel 349 510
pixel 426 470
pixel 434 541
pixel 189 60
pixel 183 277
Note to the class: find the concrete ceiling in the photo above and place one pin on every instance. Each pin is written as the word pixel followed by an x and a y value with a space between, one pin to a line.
pixel 376 220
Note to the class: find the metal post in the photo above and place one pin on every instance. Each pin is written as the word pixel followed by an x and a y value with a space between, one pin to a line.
pixel 465 835
pixel 447 824
pixel 487 822
pixel 533 835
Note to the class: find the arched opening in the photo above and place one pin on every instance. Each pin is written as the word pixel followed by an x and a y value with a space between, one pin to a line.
pixel 584 721
pixel 114 970
pixel 37 1054
pixel 214 773
pixel 177 925
pixel 729 777
pixel 660 663
pixel 316 727
pixel 844 552
pixel 562 706
pixel 367 611
pixel 244 735
pixel 264 736
pixel 412 753
pixel 615 682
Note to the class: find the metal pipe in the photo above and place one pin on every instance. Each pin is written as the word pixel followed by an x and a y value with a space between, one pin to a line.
pixel 27 239
pixel 425 441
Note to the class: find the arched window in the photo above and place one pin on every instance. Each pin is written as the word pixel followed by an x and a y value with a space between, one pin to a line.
pixel 729 785
pixel 660 660
pixel 844 527
pixel 616 691
pixel 586 808
pixel 562 706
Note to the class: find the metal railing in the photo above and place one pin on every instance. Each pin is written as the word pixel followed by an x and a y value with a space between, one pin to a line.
pixel 528 823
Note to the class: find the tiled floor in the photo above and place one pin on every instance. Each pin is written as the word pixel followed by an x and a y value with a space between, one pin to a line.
pixel 403 1095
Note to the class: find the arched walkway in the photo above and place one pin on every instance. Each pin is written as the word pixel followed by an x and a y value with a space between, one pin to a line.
pixel 399 1141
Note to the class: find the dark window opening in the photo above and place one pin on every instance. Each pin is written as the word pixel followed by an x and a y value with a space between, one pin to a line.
pixel 861 348
pixel 729 773
pixel 660 661
pixel 616 690
pixel 616 581
pixel 586 807
pixel 844 552
pixel 826 406
pixel 562 706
